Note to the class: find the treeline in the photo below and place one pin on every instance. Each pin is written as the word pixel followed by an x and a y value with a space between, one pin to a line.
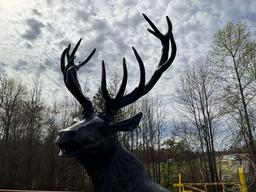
pixel 29 125
pixel 216 100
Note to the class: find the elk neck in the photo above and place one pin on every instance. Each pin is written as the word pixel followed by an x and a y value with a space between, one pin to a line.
pixel 117 169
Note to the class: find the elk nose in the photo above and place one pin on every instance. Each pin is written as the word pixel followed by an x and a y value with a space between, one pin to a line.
pixel 70 133
pixel 64 136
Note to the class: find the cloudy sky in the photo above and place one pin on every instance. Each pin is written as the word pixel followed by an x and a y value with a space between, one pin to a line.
pixel 34 33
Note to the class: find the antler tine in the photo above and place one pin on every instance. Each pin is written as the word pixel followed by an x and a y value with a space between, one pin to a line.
pixel 75 48
pixel 70 56
pixel 155 30
pixel 142 69
pixel 124 82
pixel 68 49
pixel 69 72
pixel 163 38
pixel 173 44
pixel 104 90
pixel 87 59
pixel 164 63
pixel 62 60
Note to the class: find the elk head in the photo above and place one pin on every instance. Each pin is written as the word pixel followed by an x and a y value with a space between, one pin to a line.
pixel 97 133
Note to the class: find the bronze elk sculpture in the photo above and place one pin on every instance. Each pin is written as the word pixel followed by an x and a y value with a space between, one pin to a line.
pixel 93 141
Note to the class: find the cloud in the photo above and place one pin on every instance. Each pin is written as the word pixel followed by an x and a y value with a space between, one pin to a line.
pixel 3 67
pixel 36 12
pixel 34 29
pixel 112 28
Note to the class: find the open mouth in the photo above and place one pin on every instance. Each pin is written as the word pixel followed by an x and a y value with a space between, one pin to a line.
pixel 72 149
pixel 68 150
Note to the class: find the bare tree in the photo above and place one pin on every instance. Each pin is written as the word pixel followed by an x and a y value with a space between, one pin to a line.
pixel 10 103
pixel 196 98
pixel 234 55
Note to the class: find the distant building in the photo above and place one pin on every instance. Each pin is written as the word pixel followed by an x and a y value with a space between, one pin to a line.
pixel 229 164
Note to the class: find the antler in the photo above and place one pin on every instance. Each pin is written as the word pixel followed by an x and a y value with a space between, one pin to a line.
pixel 121 100
pixel 69 72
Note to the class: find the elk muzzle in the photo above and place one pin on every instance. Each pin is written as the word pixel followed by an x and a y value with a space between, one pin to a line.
pixel 67 142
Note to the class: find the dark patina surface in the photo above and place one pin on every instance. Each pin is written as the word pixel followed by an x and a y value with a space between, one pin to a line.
pixel 93 141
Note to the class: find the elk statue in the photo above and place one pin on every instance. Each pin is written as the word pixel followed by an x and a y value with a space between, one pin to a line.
pixel 93 141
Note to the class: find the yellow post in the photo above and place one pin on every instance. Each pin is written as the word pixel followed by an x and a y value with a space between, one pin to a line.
pixel 242 179
pixel 180 185
pixel 181 188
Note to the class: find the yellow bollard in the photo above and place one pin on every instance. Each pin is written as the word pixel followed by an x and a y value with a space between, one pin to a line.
pixel 181 186
pixel 242 179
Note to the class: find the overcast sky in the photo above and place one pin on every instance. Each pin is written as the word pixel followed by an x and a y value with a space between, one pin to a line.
pixel 34 33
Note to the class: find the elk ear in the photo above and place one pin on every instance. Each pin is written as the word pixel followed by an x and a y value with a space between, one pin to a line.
pixel 129 124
